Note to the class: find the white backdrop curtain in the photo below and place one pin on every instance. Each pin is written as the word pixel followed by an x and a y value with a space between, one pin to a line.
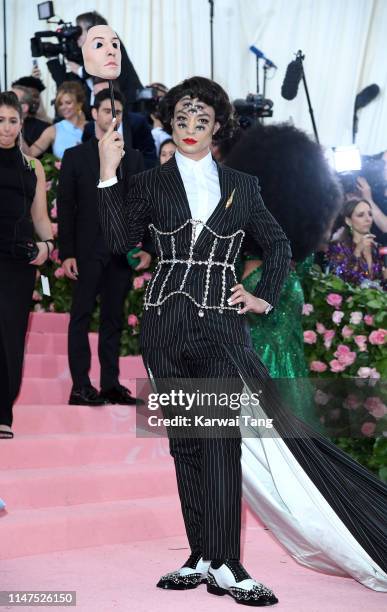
pixel 344 41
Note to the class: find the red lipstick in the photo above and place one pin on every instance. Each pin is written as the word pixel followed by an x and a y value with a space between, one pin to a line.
pixel 189 141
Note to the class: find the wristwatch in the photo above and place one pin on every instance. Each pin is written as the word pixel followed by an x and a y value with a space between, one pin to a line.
pixel 268 309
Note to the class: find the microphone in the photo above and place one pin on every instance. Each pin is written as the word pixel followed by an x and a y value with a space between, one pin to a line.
pixel 292 79
pixel 383 254
pixel 366 96
pixel 261 55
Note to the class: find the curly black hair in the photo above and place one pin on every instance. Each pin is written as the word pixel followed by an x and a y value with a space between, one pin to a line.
pixel 206 91
pixel 297 184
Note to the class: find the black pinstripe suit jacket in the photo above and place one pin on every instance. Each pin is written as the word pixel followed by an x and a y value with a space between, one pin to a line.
pixel 158 196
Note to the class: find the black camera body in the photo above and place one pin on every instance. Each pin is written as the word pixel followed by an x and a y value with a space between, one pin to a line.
pixel 67 36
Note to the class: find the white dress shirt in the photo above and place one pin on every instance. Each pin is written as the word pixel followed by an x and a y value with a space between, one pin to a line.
pixel 201 184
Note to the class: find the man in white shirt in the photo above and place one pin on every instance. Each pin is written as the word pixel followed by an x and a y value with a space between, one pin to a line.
pixel 192 325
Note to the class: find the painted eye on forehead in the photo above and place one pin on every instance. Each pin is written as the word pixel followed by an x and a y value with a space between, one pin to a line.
pixel 192 107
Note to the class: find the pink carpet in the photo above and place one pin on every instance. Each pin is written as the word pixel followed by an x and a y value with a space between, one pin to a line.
pixel 92 508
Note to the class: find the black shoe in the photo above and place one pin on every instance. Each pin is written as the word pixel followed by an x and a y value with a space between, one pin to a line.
pixel 232 579
pixel 87 396
pixel 189 576
pixel 121 395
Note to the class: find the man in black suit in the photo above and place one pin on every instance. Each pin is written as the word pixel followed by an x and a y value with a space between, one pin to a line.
pixel 192 325
pixel 88 262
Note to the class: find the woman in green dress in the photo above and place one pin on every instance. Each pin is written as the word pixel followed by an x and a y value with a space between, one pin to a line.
pixel 303 195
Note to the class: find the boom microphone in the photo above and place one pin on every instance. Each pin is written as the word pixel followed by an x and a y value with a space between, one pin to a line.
pixel 366 96
pixel 292 79
pixel 260 54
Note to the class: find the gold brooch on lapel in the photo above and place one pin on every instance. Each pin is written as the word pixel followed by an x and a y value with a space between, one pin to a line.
pixel 229 201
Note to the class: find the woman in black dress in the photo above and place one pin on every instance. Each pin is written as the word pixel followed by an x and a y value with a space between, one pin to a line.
pixel 23 212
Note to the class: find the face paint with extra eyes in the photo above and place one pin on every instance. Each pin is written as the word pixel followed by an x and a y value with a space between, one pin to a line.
pixel 101 53
pixel 193 126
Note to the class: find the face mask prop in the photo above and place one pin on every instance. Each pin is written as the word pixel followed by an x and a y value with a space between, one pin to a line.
pixel 102 57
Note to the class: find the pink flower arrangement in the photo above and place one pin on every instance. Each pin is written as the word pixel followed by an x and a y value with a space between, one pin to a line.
pixel 36 296
pixel 321 329
pixel 334 299
pixel 54 212
pixel 58 164
pixel 318 366
pixel 347 331
pixel 344 355
pixel 336 366
pixel 361 342
pixel 310 337
pixel 337 316
pixel 368 319
pixel 365 372
pixel 368 429
pixel 59 272
pixel 55 256
pixel 356 317
pixel 307 309
pixel 378 336
pixel 138 282
pixel 375 406
pixel 351 402
pixel 147 276
pixel 54 227
pixel 133 320
pixel 328 338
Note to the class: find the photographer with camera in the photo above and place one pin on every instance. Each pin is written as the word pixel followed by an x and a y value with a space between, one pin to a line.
pixel 29 99
pixel 23 212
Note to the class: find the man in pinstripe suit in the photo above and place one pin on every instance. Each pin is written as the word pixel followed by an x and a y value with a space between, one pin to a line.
pixel 193 323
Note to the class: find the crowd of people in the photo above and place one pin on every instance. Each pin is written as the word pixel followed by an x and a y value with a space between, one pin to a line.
pixel 307 210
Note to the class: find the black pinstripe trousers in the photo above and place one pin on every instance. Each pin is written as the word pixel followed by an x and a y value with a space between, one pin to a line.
pixel 208 470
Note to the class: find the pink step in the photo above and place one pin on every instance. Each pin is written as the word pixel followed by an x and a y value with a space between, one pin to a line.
pixel 55 391
pixel 53 343
pixel 46 487
pixel 61 450
pixel 62 418
pixel 56 366
pixel 48 322
pixel 36 531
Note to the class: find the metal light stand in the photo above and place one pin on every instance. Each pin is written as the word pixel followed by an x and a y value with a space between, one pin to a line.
pixel 212 36
pixel 301 56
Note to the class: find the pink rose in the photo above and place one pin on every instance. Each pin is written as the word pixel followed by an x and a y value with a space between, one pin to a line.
pixel 48 185
pixel 54 227
pixel 375 407
pixel 133 320
pixel 336 366
pixel 335 414
pixel 58 164
pixel 147 276
pixel 356 317
pixel 337 316
pixel 378 336
pixel 310 337
pixel 368 319
pixel 138 282
pixel 59 272
pixel 321 397
pixel 334 299
pixel 54 212
pixel 38 308
pixel 307 309
pixel 36 296
pixel 55 256
pixel 318 366
pixel 347 331
pixel 361 342
pixel 365 372
pixel 351 402
pixel 320 328
pixel 368 428
pixel 344 355
pixel 328 337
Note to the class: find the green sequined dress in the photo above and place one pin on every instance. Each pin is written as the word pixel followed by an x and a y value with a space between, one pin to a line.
pixel 278 339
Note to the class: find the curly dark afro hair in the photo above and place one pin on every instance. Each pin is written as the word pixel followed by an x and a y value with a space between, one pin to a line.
pixel 297 184
pixel 208 92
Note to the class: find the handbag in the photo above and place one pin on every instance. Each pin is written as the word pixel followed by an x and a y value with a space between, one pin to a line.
pixel 25 250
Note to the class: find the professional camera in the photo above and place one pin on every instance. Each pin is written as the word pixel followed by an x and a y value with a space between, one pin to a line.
pixel 147 100
pixel 66 33
pixel 251 109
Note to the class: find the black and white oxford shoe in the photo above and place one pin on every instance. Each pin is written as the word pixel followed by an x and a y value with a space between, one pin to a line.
pixel 189 576
pixel 232 579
